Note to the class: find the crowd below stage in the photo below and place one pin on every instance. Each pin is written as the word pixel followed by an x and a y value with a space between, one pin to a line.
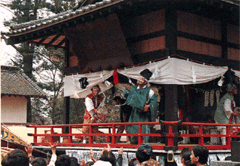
pixel 198 156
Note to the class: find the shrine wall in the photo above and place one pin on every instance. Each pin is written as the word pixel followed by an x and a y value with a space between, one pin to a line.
pixel 195 34
pixel 145 32
pixel 206 36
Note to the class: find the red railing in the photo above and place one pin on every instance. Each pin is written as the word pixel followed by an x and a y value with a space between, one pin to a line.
pixel 200 133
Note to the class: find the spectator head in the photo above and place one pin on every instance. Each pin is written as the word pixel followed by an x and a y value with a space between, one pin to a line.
pixel 108 156
pixel 133 162
pixel 4 161
pixel 185 156
pixel 74 161
pixel 199 155
pixel 39 161
pixel 144 152
pixel 63 160
pixel 16 158
pixel 89 163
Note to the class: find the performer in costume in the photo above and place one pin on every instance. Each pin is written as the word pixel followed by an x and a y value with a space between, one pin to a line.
pixel 225 108
pixel 144 103
pixel 93 103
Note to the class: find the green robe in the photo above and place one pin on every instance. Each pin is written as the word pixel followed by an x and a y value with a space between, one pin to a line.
pixel 220 115
pixel 141 97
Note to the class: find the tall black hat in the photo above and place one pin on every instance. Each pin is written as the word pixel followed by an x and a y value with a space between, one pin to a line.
pixel 146 74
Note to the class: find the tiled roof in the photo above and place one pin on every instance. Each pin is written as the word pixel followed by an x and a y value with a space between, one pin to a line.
pixel 15 82
pixel 50 31
pixel 235 2
pixel 18 28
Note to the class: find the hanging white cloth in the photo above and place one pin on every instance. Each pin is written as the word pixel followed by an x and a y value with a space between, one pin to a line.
pixel 237 73
pixel 72 85
pixel 177 71
pixel 169 71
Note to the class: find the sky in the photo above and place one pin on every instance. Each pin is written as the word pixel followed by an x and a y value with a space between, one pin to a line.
pixel 6 51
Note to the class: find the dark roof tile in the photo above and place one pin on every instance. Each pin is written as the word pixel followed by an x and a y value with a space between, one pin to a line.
pixel 15 82
pixel 17 28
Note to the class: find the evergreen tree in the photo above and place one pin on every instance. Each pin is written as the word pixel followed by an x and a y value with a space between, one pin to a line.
pixel 49 70
pixel 24 11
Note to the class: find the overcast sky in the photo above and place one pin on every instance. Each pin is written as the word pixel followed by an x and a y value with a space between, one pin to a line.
pixel 6 51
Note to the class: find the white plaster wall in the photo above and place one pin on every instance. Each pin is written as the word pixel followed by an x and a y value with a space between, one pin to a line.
pixel 13 109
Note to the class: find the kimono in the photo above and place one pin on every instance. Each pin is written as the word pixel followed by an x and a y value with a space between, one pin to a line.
pixel 224 109
pixel 223 113
pixel 138 98
pixel 92 103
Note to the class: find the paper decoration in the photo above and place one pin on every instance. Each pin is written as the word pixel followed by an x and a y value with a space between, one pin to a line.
pixel 211 98
pixel 217 96
pixel 206 99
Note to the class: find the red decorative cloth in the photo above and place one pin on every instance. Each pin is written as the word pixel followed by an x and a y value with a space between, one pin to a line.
pixel 115 77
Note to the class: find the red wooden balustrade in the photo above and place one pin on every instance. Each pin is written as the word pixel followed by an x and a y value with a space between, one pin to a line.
pixel 112 133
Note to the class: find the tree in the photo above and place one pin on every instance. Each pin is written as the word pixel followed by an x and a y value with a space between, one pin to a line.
pixel 49 70
pixel 25 11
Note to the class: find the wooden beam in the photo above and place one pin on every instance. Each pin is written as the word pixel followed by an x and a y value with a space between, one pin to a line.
pixel 41 41
pixel 59 45
pixel 53 40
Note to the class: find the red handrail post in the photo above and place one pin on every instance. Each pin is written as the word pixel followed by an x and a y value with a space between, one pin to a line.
pixel 35 137
pixel 170 135
pixel 113 134
pixel 51 137
pixel 228 137
pixel 200 132
pixel 140 138
pixel 70 135
pixel 90 138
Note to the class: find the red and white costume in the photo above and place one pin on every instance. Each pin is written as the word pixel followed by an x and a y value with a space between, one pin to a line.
pixel 92 103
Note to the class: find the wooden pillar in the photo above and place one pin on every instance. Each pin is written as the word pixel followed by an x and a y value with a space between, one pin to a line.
pixel 66 99
pixel 171 29
pixel 224 38
pixel 171 91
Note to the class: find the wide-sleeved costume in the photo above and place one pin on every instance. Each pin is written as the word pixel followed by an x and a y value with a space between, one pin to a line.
pixel 224 109
pixel 138 98
pixel 92 103
pixel 223 112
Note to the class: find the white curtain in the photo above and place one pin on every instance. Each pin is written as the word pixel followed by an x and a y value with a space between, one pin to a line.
pixel 177 71
pixel 237 73
pixel 72 85
pixel 169 71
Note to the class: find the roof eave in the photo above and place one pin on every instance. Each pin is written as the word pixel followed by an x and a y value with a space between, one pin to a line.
pixel 21 95
pixel 19 36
